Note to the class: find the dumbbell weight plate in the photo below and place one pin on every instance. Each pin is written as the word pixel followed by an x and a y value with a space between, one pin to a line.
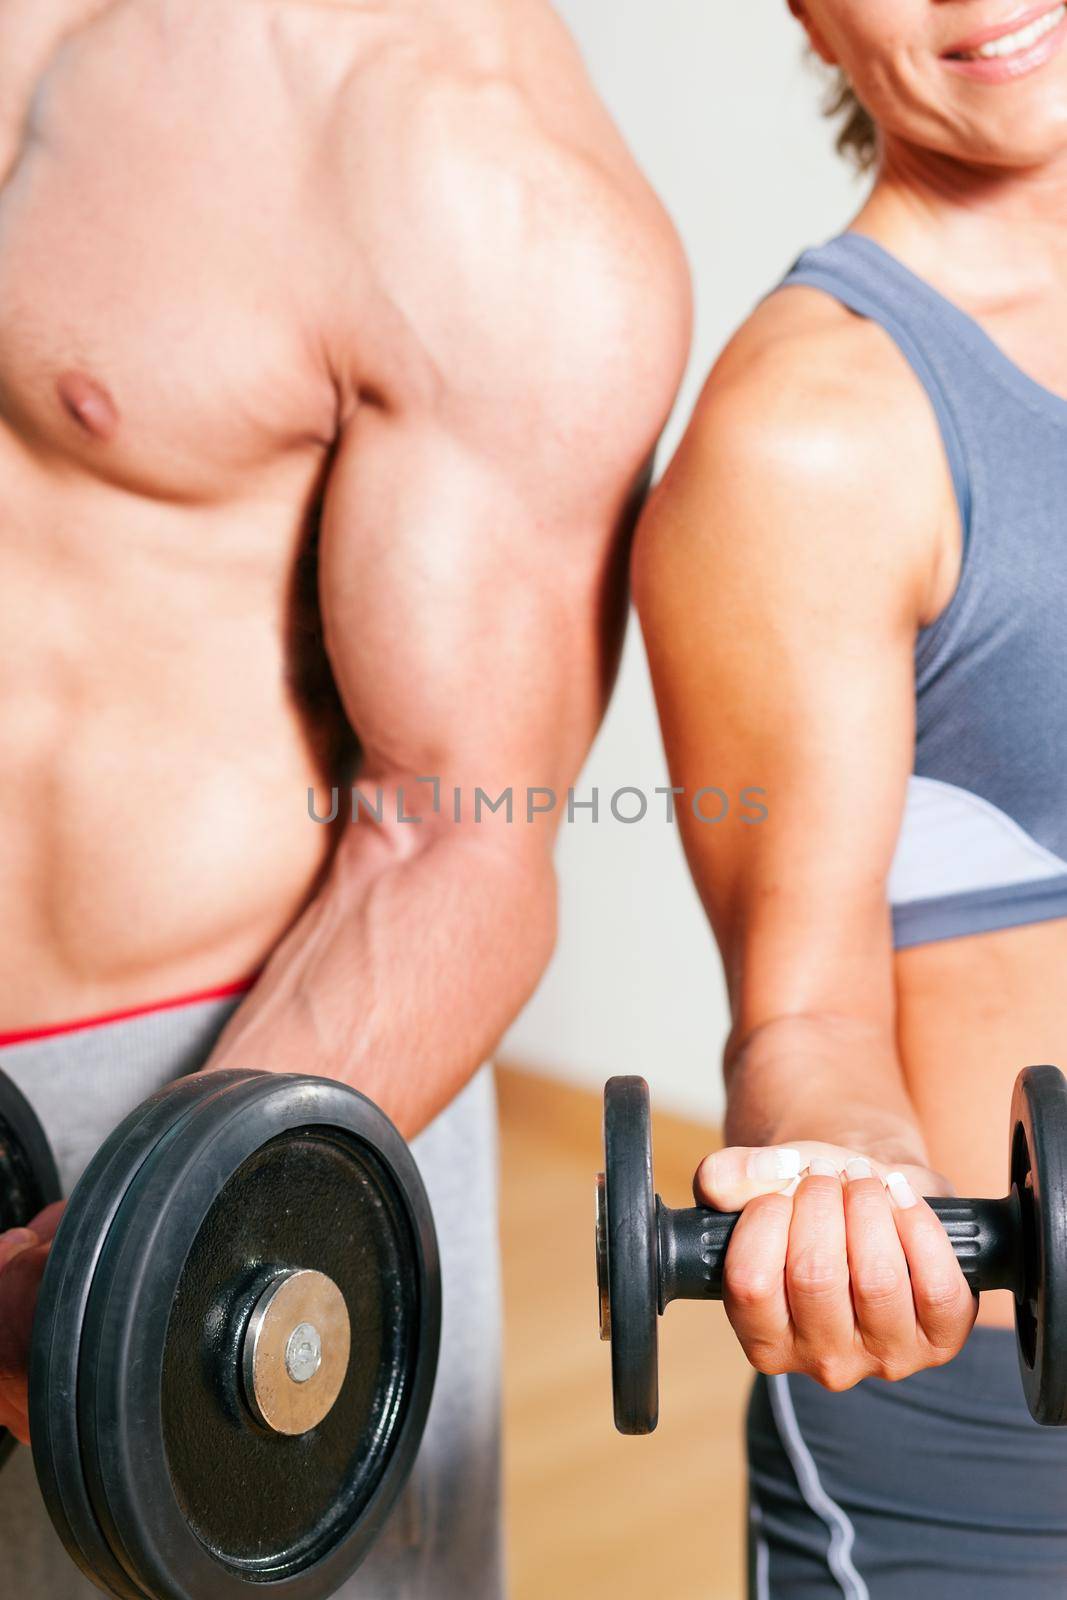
pixel 188 1494
pixel 1038 1157
pixel 54 1357
pixel 627 1259
pixel 28 1177
pixel 326 1199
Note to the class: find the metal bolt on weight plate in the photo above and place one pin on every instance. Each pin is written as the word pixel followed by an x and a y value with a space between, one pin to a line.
pixel 303 1353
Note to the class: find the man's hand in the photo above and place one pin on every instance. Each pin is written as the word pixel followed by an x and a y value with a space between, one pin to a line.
pixel 837 1268
pixel 23 1253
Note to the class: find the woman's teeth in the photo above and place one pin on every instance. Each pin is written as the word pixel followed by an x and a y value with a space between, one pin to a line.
pixel 1011 43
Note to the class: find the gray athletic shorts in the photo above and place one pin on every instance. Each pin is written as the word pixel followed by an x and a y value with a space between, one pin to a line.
pixel 443 1541
pixel 937 1488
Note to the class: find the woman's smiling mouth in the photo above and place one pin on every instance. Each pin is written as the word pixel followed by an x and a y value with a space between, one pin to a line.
pixel 1017 47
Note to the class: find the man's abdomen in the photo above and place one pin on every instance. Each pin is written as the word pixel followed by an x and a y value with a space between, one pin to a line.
pixel 158 741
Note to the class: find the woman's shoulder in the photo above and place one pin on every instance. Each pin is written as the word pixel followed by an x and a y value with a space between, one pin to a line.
pixel 803 357
pixel 812 447
pixel 808 392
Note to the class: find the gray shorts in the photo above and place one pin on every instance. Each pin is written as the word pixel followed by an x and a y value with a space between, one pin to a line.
pixel 937 1488
pixel 443 1541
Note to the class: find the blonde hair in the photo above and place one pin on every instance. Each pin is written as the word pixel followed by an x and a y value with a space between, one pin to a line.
pixel 857 137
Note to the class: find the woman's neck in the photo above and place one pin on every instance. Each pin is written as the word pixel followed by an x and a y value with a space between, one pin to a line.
pixel 994 232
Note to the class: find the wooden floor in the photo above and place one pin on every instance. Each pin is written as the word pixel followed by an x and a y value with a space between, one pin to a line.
pixel 593 1515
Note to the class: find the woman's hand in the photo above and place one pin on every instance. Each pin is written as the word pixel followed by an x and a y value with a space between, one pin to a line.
pixel 837 1268
pixel 23 1253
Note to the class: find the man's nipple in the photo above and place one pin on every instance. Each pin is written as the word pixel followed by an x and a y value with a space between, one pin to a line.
pixel 89 404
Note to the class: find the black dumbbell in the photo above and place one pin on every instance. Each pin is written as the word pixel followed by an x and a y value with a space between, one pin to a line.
pixel 236 1340
pixel 28 1177
pixel 648 1255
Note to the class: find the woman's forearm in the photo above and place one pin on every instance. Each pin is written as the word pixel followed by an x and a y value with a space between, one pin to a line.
pixel 821 1077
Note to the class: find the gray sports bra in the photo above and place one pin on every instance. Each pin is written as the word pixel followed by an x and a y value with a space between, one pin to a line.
pixel 984 838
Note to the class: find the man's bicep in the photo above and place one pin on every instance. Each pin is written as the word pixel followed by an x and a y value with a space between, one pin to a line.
pixel 472 634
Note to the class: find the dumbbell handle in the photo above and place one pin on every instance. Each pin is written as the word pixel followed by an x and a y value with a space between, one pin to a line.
pixel 986 1235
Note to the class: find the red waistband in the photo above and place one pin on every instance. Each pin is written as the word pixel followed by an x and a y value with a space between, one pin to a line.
pixel 225 992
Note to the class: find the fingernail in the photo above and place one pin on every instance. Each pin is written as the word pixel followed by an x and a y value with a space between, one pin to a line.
pixel 819 1167
pixel 773 1165
pixel 901 1190
pixel 791 1188
pixel 858 1168
pixel 24 1236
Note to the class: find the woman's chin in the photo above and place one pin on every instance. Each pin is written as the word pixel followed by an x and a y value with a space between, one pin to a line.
pixel 1003 145
pixel 1013 143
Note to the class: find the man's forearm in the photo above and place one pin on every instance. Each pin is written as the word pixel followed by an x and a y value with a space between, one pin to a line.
pixel 827 1078
pixel 406 969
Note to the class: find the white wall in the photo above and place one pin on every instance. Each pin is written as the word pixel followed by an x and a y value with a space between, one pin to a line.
pixel 721 110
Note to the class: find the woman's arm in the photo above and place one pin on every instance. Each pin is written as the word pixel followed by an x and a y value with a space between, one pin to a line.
pixel 781 571
pixel 800 538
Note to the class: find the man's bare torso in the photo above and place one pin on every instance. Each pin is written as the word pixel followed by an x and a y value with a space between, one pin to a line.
pixel 229 231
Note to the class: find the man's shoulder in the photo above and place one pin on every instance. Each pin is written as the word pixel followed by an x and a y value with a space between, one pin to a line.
pixel 499 218
pixel 453 112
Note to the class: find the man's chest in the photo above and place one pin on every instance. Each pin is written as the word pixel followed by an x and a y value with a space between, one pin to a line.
pixel 151 315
